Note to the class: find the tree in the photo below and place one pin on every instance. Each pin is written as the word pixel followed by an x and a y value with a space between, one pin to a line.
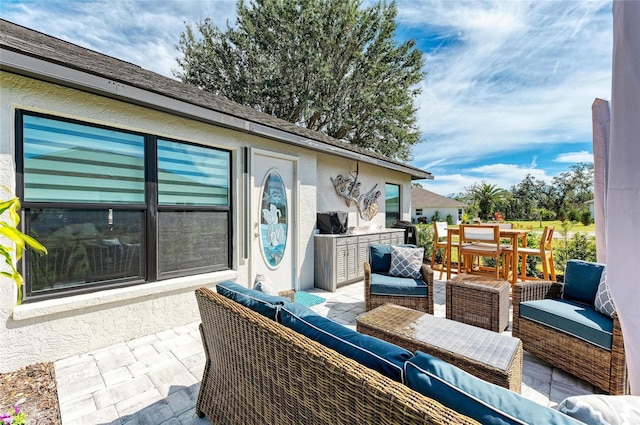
pixel 487 197
pixel 327 65
pixel 570 190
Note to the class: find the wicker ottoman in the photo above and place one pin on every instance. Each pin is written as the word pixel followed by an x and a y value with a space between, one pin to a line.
pixel 490 356
pixel 481 301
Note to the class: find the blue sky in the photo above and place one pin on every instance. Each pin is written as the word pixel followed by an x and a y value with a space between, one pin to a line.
pixel 508 91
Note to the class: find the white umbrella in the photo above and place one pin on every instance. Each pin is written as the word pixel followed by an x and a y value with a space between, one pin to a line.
pixel 600 117
pixel 623 182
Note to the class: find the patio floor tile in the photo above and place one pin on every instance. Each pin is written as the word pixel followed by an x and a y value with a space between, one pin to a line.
pixel 155 379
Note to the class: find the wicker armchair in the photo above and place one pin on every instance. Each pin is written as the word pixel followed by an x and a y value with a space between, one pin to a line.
pixel 602 368
pixel 424 304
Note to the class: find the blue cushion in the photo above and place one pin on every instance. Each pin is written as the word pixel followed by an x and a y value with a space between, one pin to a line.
pixel 380 257
pixel 571 317
pixel 267 305
pixel 473 397
pixel 581 279
pixel 382 284
pixel 374 353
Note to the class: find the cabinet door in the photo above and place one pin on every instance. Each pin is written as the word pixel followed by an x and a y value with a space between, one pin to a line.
pixel 363 251
pixel 346 259
pixel 342 256
pixel 346 263
pixel 352 261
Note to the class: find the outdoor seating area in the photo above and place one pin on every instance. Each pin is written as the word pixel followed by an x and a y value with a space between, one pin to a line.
pixel 167 369
pixel 181 250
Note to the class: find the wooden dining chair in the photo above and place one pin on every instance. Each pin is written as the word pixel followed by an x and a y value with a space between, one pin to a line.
pixel 440 229
pixel 544 251
pixel 480 240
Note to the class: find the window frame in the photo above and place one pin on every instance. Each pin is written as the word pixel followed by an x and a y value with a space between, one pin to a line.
pixel 386 210
pixel 150 210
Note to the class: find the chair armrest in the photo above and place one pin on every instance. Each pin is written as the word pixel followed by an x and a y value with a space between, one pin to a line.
pixel 289 293
pixel 536 290
pixel 427 274
pixel 367 278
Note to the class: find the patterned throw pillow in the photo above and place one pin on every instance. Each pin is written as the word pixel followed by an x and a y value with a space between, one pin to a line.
pixel 263 284
pixel 603 301
pixel 406 262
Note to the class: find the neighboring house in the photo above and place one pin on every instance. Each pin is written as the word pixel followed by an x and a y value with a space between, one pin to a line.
pixel 144 188
pixel 425 204
pixel 591 205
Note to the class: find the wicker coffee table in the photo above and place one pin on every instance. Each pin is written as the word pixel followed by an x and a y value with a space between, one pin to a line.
pixel 477 300
pixel 488 355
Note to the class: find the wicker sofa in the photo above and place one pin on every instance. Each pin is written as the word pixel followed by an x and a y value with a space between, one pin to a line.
pixel 259 371
pixel 567 345
pixel 381 288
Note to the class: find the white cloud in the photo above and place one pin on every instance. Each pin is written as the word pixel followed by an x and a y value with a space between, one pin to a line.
pixel 505 77
pixel 519 75
pixel 573 157
pixel 145 33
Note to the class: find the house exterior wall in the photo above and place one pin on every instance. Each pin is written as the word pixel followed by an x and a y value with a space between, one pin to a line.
pixel 52 329
pixel 370 176
pixel 429 212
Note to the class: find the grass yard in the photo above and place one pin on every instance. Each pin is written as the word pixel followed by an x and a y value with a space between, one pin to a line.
pixel 535 225
pixel 557 224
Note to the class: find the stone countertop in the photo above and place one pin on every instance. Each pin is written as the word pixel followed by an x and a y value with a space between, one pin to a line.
pixel 359 232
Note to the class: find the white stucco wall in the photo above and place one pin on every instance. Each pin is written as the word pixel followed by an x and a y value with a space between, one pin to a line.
pixel 369 175
pixel 53 329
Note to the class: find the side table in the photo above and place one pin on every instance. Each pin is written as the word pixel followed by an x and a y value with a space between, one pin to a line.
pixel 481 301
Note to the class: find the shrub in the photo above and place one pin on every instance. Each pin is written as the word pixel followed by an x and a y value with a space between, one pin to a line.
pixel 585 218
pixel 424 239
pixel 579 247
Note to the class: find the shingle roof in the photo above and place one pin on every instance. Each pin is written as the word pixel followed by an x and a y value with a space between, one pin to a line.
pixel 34 44
pixel 421 198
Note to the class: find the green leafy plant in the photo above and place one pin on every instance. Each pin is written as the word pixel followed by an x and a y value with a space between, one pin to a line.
pixel 424 235
pixel 17 417
pixel 9 229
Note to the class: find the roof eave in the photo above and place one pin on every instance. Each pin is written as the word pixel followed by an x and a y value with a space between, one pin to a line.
pixel 46 70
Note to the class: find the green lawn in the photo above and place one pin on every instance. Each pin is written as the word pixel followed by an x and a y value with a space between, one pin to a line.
pixel 535 225
pixel 557 224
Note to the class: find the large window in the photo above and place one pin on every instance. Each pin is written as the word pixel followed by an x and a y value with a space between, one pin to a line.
pixel 118 208
pixel 392 203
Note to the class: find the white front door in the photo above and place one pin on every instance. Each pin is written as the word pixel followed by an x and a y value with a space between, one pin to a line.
pixel 273 213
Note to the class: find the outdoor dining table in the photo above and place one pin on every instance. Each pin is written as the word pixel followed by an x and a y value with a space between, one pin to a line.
pixel 512 234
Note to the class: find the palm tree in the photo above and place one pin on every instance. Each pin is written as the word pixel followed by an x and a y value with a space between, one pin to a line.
pixel 486 197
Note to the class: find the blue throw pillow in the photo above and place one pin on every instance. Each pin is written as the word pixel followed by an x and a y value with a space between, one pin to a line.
pixel 374 353
pixel 267 305
pixel 581 280
pixel 485 402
